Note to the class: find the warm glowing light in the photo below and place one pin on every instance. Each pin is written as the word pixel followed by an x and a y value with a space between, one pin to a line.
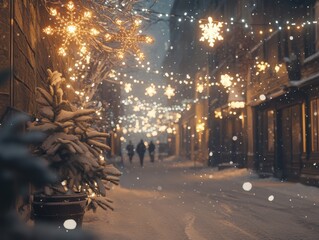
pixel 140 56
pixel 278 67
pixel 128 87
pixel 108 37
pixel 211 32
pixel 149 40
pixel 53 12
pixel 152 113
pixel 70 6
pixel 262 66
pixel 94 32
pixel 200 87
pixel 87 15
pixel 218 114
pixel 236 104
pixel 83 49
pixel 120 55
pixel 200 127
pixel 71 29
pixel 151 90
pixel 137 22
pixel 169 92
pixel 48 30
pixel 226 80
pixel 62 51
pixel 129 39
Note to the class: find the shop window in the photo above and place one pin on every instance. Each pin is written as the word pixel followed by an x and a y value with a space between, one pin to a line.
pixel 314 125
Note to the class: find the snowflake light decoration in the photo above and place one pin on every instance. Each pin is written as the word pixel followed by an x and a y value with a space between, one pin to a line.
pixel 152 113
pixel 129 39
pixel 200 87
pixel 151 90
pixel 72 27
pixel 226 80
pixel 169 92
pixel 261 67
pixel 128 87
pixel 211 32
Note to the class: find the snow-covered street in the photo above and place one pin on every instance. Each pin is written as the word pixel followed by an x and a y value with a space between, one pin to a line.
pixel 174 200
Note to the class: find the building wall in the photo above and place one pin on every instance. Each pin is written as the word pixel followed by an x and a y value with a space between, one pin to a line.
pixel 4 54
pixel 27 56
pixel 25 52
pixel 282 103
pixel 279 128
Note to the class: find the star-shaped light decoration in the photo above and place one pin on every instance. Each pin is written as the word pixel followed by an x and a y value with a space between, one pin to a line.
pixel 136 108
pixel 226 80
pixel 129 39
pixel 278 67
pixel 127 87
pixel 71 27
pixel 150 91
pixel 152 113
pixel 169 92
pixel 261 67
pixel 200 87
pixel 211 31
pixel 200 127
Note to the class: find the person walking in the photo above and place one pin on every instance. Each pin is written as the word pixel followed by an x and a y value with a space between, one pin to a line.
pixel 130 151
pixel 140 149
pixel 151 151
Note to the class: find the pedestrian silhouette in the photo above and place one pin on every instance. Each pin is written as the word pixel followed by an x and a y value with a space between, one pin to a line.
pixel 130 151
pixel 151 150
pixel 140 149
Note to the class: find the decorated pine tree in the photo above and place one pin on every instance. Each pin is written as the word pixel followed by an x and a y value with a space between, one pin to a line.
pixel 72 147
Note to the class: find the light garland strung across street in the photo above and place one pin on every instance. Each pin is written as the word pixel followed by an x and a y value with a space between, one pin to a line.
pixel 71 28
pixel 211 31
pixel 267 27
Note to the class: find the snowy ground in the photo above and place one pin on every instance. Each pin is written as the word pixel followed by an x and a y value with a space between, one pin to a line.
pixel 174 200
